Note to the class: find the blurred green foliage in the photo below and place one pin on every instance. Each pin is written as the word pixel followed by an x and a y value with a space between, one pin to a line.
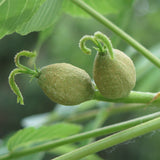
pixel 60 44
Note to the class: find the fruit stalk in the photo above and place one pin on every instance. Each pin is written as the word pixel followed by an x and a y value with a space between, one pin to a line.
pixel 133 97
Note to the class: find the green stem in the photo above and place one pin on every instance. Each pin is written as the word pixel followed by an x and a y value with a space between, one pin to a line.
pixel 82 42
pixel 100 118
pixel 19 65
pixel 14 86
pixel 112 140
pixel 118 31
pixel 134 97
pixel 21 69
pixel 106 41
pixel 88 115
pixel 75 138
pixel 97 39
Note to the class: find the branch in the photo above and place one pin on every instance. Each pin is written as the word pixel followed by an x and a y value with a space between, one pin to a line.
pixel 112 140
pixel 134 97
pixel 79 137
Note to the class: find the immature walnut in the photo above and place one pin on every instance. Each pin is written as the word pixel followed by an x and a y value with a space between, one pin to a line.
pixel 66 84
pixel 116 77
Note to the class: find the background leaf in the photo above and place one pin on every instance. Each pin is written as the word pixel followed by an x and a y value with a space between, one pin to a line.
pixel 103 6
pixel 25 16
pixel 16 12
pixel 28 136
pixel 35 15
pixel 44 17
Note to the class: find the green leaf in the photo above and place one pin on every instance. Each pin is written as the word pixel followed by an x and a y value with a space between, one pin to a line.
pixel 25 16
pixel 102 6
pixel 16 12
pixel 29 136
pixel 44 18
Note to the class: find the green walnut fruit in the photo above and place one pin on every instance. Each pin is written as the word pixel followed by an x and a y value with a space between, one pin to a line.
pixel 116 77
pixel 66 84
